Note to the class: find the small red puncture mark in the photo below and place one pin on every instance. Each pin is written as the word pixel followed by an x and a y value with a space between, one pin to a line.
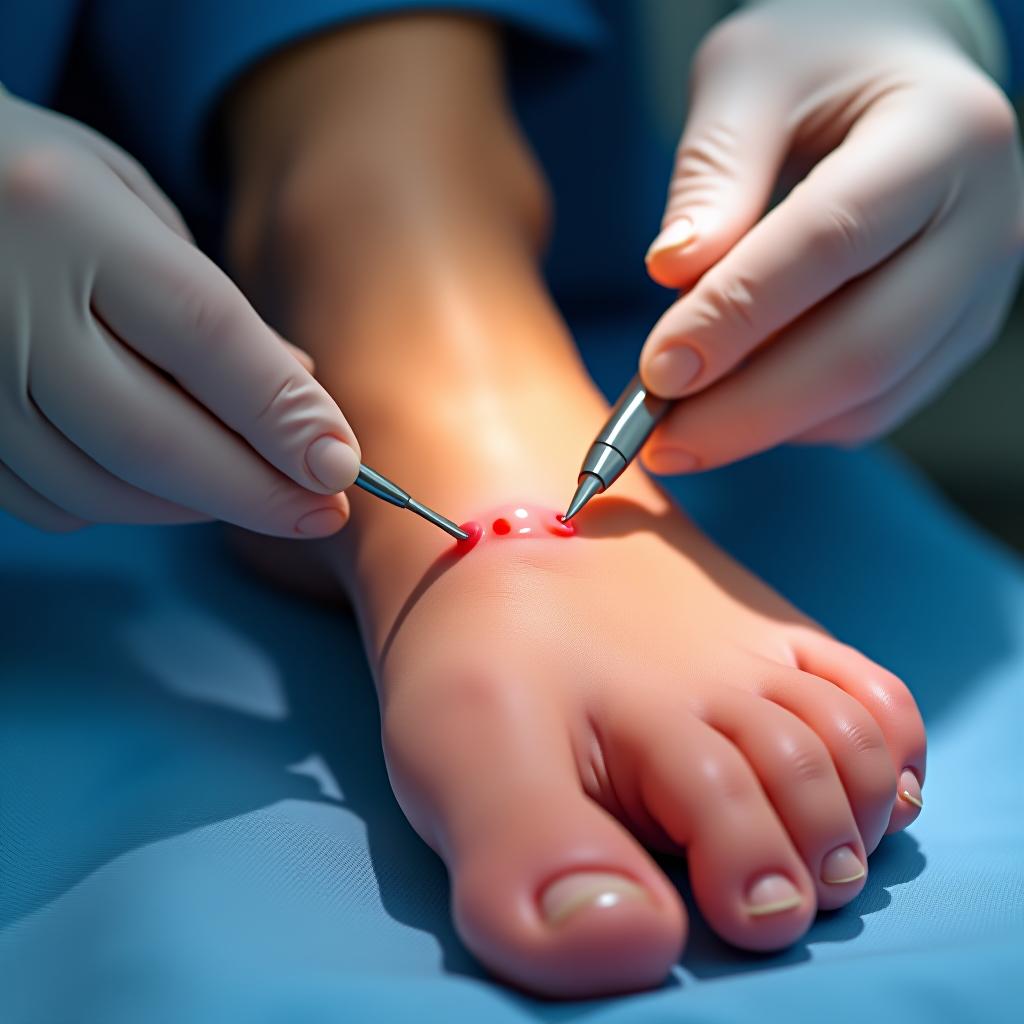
pixel 561 528
pixel 475 531
pixel 522 522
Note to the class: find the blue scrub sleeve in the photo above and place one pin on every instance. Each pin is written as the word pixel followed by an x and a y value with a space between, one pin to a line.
pixel 1011 15
pixel 165 64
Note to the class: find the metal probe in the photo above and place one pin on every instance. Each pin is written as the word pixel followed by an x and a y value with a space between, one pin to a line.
pixel 636 414
pixel 381 487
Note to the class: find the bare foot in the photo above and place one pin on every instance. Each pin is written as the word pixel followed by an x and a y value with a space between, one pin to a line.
pixel 554 698
pixel 552 701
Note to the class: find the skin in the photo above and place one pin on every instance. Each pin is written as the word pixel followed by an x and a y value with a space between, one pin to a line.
pixel 536 729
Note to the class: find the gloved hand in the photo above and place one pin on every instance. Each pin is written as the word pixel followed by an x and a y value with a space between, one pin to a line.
pixel 137 385
pixel 881 274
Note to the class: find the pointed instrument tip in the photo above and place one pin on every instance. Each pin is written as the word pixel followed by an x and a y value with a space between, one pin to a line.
pixel 440 521
pixel 589 486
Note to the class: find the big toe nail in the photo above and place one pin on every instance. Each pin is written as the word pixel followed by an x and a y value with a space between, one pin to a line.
pixel 772 894
pixel 588 889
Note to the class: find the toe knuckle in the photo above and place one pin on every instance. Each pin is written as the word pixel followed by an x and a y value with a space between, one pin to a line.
pixel 862 734
pixel 806 761
pixel 726 776
pixel 890 692
pixel 869 755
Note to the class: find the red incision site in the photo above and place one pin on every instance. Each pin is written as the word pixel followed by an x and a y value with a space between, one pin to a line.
pixel 519 522
pixel 475 531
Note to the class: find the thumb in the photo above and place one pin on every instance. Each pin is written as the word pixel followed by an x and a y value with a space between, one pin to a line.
pixel 735 140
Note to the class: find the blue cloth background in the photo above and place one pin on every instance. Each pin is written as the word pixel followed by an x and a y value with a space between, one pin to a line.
pixel 196 824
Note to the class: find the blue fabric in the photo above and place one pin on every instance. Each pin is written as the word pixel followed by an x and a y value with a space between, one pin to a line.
pixel 196 824
pixel 168 63
pixel 156 71
pixel 34 40
pixel 1011 14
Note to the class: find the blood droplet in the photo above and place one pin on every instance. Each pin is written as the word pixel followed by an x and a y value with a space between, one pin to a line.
pixel 518 522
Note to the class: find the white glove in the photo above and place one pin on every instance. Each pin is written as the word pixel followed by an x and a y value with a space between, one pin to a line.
pixel 137 385
pixel 879 276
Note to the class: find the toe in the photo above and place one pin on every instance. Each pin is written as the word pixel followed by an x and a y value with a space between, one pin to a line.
pixel 796 771
pixel 549 890
pixel 888 701
pixel 748 879
pixel 854 740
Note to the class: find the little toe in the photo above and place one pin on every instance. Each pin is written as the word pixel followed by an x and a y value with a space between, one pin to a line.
pixel 549 891
pixel 889 702
pixel 748 879
pixel 796 771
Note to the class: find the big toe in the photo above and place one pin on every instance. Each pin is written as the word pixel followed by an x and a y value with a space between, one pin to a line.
pixel 549 891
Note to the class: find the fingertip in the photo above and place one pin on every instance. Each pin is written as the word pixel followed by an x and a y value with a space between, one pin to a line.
pixel 669 371
pixel 675 236
pixel 669 460
pixel 332 462
pixel 668 259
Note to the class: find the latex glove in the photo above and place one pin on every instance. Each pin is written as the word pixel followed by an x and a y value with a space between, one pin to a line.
pixel 137 385
pixel 880 275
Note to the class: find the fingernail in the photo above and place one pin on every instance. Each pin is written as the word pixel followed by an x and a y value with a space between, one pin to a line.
pixel 771 894
pixel 677 235
pixel 321 523
pixel 910 789
pixel 670 460
pixel 565 896
pixel 842 865
pixel 332 462
pixel 669 373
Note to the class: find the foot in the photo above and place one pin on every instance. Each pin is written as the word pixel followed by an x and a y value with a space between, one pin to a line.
pixel 555 701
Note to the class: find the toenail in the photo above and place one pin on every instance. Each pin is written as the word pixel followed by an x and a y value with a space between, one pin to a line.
pixel 771 894
pixel 910 788
pixel 842 865
pixel 571 893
